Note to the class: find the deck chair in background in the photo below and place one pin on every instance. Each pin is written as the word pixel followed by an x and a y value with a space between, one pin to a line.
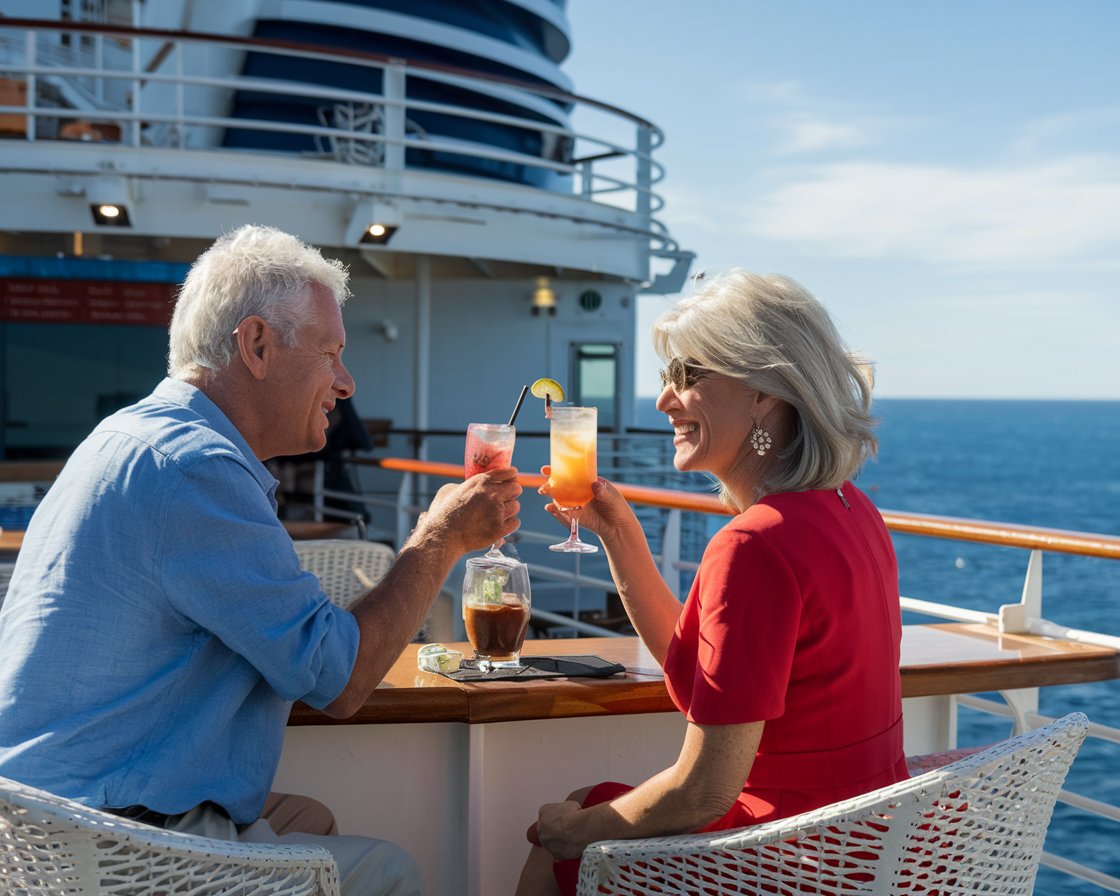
pixel 974 826
pixel 50 845
pixel 348 569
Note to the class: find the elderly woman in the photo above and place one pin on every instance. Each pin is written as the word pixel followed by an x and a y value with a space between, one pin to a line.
pixel 784 658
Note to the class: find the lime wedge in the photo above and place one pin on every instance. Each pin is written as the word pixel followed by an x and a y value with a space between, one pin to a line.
pixel 547 388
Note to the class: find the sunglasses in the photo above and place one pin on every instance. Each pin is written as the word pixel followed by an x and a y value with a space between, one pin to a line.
pixel 681 375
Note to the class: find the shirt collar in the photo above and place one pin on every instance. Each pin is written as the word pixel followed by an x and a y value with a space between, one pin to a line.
pixel 185 395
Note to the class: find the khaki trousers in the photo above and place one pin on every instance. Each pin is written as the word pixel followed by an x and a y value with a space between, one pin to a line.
pixel 366 867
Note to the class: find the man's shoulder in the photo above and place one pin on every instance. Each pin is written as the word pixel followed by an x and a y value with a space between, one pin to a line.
pixel 175 433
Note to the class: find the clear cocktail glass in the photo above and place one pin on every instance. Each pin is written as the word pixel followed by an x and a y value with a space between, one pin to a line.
pixel 572 441
pixel 496 609
pixel 489 447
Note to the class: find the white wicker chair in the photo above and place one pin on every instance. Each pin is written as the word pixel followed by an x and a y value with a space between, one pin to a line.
pixel 346 569
pixel 975 826
pixel 50 846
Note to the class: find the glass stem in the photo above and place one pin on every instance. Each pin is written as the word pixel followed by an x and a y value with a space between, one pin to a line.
pixel 575 526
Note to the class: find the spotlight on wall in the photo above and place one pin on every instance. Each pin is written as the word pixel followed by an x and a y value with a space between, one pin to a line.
pixel 378 234
pixel 109 200
pixel 109 214
pixel 544 299
pixel 372 223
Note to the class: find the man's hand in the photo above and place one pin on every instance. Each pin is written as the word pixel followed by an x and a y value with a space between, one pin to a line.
pixel 476 513
pixel 463 517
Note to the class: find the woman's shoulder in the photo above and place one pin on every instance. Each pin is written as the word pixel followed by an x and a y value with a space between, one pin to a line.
pixel 792 516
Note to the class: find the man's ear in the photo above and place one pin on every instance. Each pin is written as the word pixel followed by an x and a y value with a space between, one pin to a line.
pixel 255 341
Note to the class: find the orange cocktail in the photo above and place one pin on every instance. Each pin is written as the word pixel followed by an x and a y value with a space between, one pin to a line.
pixel 572 441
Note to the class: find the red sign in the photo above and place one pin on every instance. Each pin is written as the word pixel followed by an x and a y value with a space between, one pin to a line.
pixel 28 300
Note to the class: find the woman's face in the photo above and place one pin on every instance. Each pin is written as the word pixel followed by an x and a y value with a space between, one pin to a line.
pixel 711 418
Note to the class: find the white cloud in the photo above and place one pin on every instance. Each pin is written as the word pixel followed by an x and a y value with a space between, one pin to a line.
pixel 1087 127
pixel 804 124
pixel 1059 212
pixel 805 135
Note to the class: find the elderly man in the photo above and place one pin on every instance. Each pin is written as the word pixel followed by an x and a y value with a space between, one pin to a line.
pixel 158 627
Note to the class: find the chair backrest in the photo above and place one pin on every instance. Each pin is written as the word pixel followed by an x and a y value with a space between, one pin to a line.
pixel 975 826
pixel 346 569
pixel 50 846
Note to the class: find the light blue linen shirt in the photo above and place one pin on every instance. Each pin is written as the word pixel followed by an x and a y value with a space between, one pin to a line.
pixel 158 626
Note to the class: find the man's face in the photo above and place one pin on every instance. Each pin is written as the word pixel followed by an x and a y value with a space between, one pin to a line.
pixel 310 377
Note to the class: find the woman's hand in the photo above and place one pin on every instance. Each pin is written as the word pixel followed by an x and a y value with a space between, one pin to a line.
pixel 605 513
pixel 550 830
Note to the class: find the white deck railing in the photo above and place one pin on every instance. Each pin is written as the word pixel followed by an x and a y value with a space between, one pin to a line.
pixel 159 89
pixel 1020 706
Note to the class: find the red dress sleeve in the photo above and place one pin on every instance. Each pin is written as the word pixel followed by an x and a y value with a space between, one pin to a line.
pixel 731 656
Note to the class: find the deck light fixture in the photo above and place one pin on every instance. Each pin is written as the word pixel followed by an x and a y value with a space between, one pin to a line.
pixel 109 214
pixel 544 299
pixel 109 199
pixel 372 223
pixel 378 234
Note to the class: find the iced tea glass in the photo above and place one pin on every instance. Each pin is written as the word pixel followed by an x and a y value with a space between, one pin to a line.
pixel 572 440
pixel 489 447
pixel 496 608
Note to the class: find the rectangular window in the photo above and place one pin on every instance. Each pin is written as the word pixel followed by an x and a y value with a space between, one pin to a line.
pixel 596 381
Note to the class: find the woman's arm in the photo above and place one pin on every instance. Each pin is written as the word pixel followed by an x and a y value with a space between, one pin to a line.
pixel 697 789
pixel 653 609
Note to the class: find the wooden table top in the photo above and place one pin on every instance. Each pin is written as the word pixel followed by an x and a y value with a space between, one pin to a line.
pixel 954 658
pixel 11 540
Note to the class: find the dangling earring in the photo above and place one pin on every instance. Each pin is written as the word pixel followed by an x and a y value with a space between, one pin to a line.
pixel 760 439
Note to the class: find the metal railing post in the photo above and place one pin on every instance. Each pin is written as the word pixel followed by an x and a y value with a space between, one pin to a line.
pixel 137 87
pixel 404 516
pixel 1016 618
pixel 318 500
pixel 32 98
pixel 671 552
pixel 643 202
pixel 393 88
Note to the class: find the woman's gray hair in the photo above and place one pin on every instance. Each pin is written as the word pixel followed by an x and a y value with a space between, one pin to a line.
pixel 771 334
pixel 250 271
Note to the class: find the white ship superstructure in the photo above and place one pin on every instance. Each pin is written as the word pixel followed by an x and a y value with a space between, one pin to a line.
pixel 507 242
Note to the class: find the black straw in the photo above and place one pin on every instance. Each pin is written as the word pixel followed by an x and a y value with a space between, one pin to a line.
pixel 517 407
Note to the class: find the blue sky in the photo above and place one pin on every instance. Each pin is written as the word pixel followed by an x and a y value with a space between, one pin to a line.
pixel 944 176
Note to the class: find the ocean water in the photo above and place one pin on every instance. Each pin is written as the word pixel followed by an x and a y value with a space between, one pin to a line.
pixel 1047 463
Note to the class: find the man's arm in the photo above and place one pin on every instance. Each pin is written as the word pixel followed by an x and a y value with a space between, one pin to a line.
pixel 464 517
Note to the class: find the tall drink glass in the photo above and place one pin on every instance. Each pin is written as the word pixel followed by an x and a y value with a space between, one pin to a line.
pixel 496 608
pixel 572 439
pixel 489 447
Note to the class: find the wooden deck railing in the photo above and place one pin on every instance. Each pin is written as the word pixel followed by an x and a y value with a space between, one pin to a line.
pixel 1002 534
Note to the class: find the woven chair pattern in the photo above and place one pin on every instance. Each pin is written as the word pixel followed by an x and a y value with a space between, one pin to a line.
pixel 975 826
pixel 50 846
pixel 334 561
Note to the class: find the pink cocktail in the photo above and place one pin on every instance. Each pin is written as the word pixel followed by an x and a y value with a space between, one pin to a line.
pixel 489 447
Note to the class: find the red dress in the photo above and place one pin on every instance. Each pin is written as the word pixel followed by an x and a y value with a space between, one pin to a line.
pixel 793 619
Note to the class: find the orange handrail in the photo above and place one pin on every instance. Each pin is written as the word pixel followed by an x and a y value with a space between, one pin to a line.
pixel 642 494
pixel 1004 534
